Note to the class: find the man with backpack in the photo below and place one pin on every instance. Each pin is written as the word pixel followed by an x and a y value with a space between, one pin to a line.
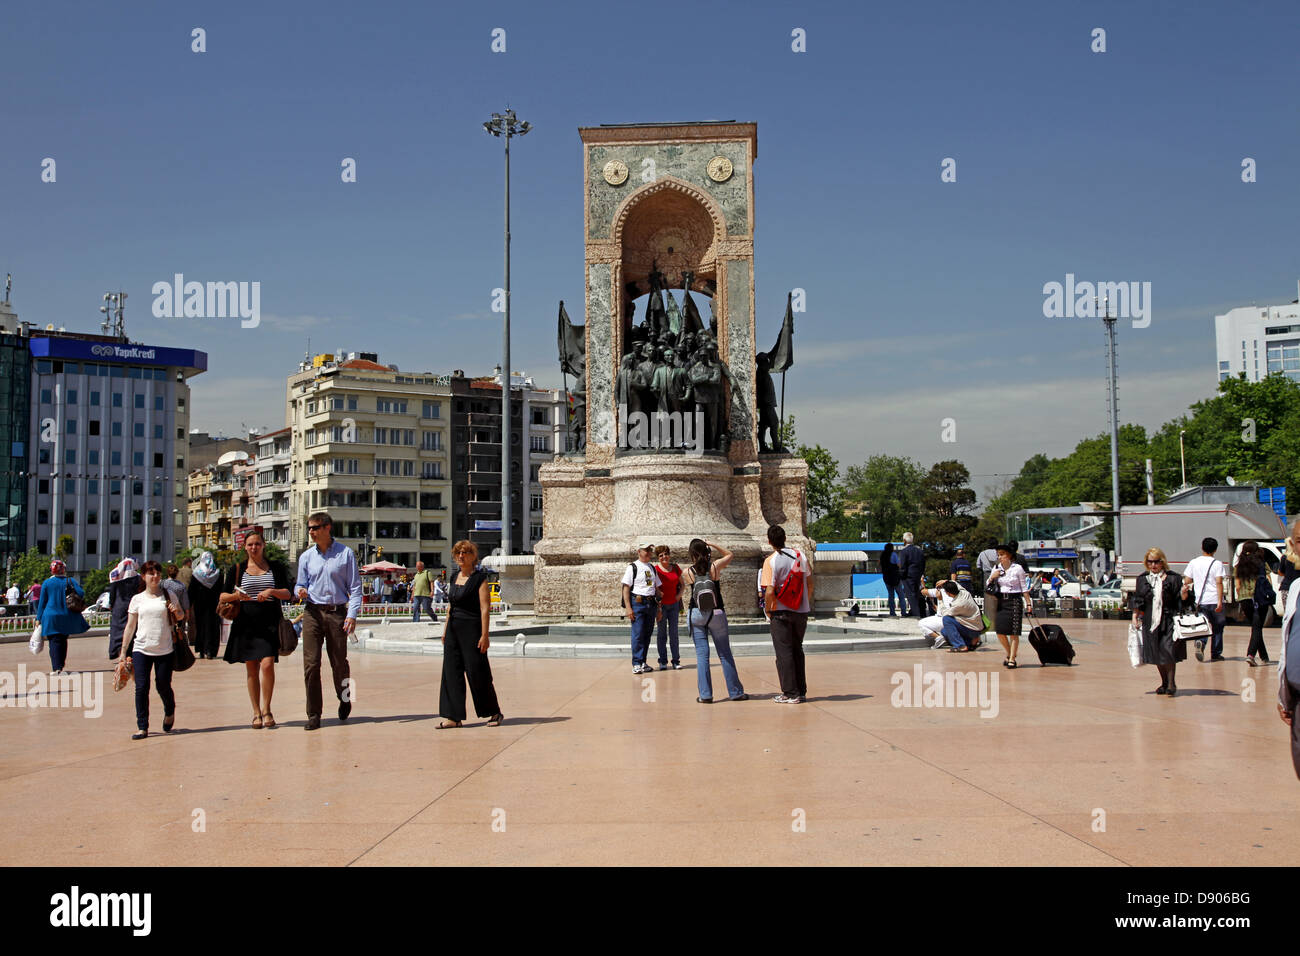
pixel 787 583
pixel 641 584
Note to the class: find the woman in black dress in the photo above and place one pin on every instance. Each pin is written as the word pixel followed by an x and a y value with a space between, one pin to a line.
pixel 259 586
pixel 1155 605
pixel 465 643
pixel 203 593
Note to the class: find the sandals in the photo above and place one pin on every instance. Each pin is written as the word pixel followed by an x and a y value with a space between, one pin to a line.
pixel 446 724
pixel 257 722
pixel 495 721
pixel 1011 664
pixel 268 720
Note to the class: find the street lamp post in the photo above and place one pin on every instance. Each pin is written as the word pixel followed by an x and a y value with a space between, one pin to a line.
pixel 506 125
pixel 1182 455
pixel 1113 395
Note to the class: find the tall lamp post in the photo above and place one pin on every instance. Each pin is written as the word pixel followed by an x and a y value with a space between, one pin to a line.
pixel 506 125
pixel 1182 456
pixel 1113 395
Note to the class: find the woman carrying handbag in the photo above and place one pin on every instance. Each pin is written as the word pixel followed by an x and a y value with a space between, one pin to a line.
pixel 1155 604
pixel 59 613
pixel 148 642
pixel 255 589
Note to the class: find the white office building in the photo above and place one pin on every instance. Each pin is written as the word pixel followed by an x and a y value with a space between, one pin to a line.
pixel 1259 340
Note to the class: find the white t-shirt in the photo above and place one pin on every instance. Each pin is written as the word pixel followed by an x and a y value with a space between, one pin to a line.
pixel 153 631
pixel 642 578
pixel 13 594
pixel 1203 571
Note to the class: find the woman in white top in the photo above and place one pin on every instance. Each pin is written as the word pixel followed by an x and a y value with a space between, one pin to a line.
pixel 148 639
pixel 1013 600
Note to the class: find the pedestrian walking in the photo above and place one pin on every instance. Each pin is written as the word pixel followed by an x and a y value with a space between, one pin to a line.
pixel 1256 593
pixel 1289 569
pixel 173 586
pixel 1288 674
pixel 707 616
pixel 1155 602
pixel 641 604
pixel 58 622
pixel 148 641
pixel 123 584
pixel 465 643
pixel 203 593
pixel 788 594
pixel 258 585
pixel 1013 601
pixel 421 592
pixel 330 584
pixel 670 598
pixel 1206 576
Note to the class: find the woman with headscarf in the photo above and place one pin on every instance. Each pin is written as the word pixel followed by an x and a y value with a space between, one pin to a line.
pixel 1155 603
pixel 204 595
pixel 56 621
pixel 123 584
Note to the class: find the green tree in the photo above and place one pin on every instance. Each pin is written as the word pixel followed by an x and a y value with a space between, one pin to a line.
pixel 63 547
pixel 946 504
pixel 824 495
pixel 32 567
pixel 889 488
pixel 94 583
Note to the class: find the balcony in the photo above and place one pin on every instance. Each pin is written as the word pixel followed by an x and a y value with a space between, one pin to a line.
pixel 484 479
pixel 485 509
pixel 486 448
pixel 484 420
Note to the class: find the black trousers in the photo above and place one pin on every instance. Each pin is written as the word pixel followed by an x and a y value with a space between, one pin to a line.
pixel 461 660
pixel 1256 614
pixel 787 640
pixel 914 597
pixel 1295 729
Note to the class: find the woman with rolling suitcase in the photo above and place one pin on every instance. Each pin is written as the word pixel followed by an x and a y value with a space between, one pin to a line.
pixel 1013 601
pixel 1155 603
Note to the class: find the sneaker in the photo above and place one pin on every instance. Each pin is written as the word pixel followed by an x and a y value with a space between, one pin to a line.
pixel 1200 651
pixel 1250 659
pixel 639 669
pixel 678 666
pixel 663 665
pixel 647 669
pixel 782 699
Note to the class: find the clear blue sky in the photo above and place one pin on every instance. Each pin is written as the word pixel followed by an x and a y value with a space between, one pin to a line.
pixel 924 298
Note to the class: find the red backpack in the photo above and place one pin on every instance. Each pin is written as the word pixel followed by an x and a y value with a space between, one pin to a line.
pixel 790 593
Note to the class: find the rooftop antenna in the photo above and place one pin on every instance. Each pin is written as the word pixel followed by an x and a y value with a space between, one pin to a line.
pixel 9 284
pixel 114 309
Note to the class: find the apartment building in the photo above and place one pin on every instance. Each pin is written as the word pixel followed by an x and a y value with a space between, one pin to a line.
pixel 272 487
pixel 369 444
pixel 1259 340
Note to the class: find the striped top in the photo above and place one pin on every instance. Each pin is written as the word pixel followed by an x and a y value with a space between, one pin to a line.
pixel 255 584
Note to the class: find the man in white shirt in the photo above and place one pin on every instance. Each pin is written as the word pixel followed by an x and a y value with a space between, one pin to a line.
pixel 957 620
pixel 641 604
pixel 12 595
pixel 1205 577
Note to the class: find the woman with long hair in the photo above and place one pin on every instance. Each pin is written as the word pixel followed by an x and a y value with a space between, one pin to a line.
pixel 1253 591
pixel 258 585
pixel 1155 603
pixel 465 643
pixel 1013 601
pixel 148 639
pixel 703 576
pixel 670 603
pixel 56 621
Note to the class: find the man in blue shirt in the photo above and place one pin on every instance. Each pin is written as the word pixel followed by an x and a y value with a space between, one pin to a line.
pixel 328 580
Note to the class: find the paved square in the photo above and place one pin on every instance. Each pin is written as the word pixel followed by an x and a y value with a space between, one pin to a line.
pixel 592 768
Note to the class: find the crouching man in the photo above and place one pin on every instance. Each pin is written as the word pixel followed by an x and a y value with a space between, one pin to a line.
pixel 958 621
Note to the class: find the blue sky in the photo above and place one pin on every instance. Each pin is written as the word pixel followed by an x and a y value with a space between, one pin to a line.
pixel 924 298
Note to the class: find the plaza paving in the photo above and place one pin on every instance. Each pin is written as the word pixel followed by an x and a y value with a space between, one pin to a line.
pixel 585 770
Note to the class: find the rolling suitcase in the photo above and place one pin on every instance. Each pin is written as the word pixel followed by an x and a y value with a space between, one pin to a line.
pixel 1051 643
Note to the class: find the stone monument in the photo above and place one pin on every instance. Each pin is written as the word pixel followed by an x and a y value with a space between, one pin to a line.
pixel 668 207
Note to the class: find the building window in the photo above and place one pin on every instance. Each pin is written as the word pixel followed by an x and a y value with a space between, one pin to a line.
pixel 430 531
pixel 535 502
pixel 92 546
pixel 137 459
pixel 533 474
pixel 535 532
pixel 115 487
pixel 92 486
pixel 158 459
pixel 70 457
pixel 117 399
pixel 310 469
pixel 157 403
pixel 180 404
pixel 139 429
pixel 431 441
pixel 390 406
pixel 93 456
pixel 94 398
pixel 44 455
pixel 381 436
pixel 408 469
pixel 69 486
pixel 540 416
pixel 47 396
pixel 158 432
pixel 116 429
pixel 381 466
pixel 94 427
pixel 136 545
pixel 69 516
pixel 92 516
pixel 539 443
pixel 430 500
pixel 43 486
pixel 42 516
pixel 114 547
pixel 71 426
pixel 431 469
pixel 116 459
pixel 432 410
pixel 139 400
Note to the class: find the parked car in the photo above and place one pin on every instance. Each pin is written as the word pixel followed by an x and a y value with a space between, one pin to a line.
pixel 1072 586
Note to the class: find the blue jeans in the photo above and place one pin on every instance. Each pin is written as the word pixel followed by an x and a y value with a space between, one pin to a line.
pixel 58 644
pixel 891 590
pixel 702 626
pixel 162 668
pixel 957 635
pixel 643 622
pixel 1217 620
pixel 420 602
pixel 668 635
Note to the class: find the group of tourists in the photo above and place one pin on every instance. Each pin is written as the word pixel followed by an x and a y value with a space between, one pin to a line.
pixel 654 586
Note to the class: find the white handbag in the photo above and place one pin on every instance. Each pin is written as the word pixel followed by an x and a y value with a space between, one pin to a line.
pixel 1189 626
pixel 37 642
pixel 1135 645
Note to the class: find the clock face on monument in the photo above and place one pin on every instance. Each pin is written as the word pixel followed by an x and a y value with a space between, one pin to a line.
pixel 615 172
pixel 720 169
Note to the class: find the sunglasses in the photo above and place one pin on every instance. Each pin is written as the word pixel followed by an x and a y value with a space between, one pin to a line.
pixel 314 527
pixel 1154 561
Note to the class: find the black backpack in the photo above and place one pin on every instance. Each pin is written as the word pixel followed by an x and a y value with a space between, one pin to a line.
pixel 1264 593
pixel 706 594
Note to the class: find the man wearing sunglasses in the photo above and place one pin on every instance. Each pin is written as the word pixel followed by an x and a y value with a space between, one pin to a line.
pixel 330 583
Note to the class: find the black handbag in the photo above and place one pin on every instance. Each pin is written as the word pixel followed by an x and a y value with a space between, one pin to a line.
pixel 288 636
pixel 182 653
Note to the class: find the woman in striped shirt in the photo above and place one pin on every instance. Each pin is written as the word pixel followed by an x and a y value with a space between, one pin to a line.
pixel 259 586
pixel 1013 601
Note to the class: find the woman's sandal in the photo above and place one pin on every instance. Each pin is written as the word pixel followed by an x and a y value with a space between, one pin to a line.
pixel 268 720
pixel 446 724
pixel 495 721
pixel 257 721
pixel 1011 664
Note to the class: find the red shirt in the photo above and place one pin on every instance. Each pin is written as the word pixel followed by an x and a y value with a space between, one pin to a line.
pixel 672 580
